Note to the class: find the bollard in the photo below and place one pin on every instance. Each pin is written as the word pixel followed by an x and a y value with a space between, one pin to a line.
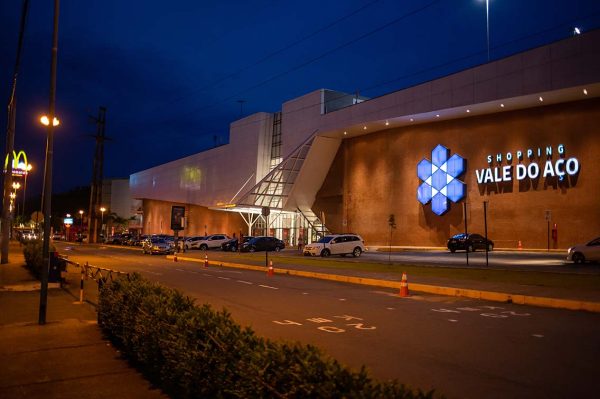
pixel 81 287
pixel 206 260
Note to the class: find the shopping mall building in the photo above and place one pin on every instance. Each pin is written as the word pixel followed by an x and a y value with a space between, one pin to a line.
pixel 521 135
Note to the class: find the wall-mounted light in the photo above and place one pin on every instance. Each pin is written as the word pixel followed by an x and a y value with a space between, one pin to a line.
pixel 501 105
pixel 345 133
pixel 387 123
pixel 468 111
pixel 585 91
pixel 364 128
pixel 541 99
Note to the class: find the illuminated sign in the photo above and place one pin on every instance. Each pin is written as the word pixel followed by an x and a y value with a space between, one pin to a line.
pixel 19 167
pixel 177 217
pixel 559 168
pixel 440 179
pixel 68 220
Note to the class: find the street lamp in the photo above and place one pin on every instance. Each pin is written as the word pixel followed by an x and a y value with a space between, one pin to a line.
pixel 81 223
pixel 46 121
pixel 102 210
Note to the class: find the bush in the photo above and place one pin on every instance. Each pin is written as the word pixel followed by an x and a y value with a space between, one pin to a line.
pixel 194 351
pixel 34 260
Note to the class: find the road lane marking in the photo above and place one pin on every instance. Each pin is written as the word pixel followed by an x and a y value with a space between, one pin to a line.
pixel 305 293
pixel 342 299
pixel 180 270
pixel 206 275
pixel 245 282
pixel 391 308
pixel 537 335
pixel 223 278
pixel 453 320
pixel 268 286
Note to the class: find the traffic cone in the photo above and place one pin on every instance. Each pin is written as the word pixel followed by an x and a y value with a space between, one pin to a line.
pixel 520 246
pixel 206 260
pixel 270 271
pixel 404 286
pixel 174 256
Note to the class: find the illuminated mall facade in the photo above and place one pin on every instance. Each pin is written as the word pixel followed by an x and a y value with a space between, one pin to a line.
pixel 521 134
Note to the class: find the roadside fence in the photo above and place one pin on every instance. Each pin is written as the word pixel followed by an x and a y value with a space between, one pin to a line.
pixel 100 275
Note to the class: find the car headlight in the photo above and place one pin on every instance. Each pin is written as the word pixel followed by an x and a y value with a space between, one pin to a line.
pixel 570 250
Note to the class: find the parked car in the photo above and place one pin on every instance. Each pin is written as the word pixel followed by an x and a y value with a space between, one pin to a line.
pixel 212 241
pixel 194 242
pixel 582 253
pixel 232 245
pixel 58 237
pixel 469 242
pixel 336 244
pixel 27 235
pixel 157 246
pixel 262 244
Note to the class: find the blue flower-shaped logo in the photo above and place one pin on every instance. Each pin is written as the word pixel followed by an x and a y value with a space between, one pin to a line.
pixel 440 179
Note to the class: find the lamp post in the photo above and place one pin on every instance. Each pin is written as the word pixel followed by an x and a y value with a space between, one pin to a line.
pixel 102 210
pixel 27 170
pixel 81 220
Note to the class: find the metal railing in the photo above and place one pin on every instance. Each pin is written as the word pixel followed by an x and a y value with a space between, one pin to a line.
pixel 100 275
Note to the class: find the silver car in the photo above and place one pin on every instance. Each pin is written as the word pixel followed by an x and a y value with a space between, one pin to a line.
pixel 585 252
pixel 157 246
pixel 338 244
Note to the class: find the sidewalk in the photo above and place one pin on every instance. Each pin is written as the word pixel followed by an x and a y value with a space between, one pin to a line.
pixel 65 358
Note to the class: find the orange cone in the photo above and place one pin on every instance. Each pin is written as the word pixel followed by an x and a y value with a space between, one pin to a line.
pixel 206 260
pixel 520 246
pixel 404 286
pixel 270 271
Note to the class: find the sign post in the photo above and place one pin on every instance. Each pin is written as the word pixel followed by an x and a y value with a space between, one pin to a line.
pixel 548 217
pixel 177 222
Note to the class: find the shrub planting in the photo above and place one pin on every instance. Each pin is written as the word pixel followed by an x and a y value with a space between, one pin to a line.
pixel 194 351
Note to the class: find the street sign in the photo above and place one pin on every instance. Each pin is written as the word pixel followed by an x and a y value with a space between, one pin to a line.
pixel 548 215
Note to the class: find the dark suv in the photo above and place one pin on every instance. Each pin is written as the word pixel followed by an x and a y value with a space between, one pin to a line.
pixel 262 244
pixel 469 242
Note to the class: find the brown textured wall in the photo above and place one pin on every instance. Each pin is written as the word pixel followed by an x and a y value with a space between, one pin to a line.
pixel 374 176
pixel 157 220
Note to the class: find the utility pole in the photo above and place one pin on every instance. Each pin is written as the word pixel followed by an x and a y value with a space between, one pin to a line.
pixel 10 142
pixel 97 175
pixel 47 194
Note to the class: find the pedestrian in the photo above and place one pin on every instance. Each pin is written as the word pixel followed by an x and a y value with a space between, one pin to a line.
pixel 300 244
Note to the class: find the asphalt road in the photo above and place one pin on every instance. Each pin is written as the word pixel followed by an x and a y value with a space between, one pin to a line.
pixel 462 348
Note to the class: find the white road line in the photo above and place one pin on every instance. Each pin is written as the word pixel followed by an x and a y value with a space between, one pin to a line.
pixel 453 321
pixel 537 335
pixel 305 293
pixel 223 278
pixel 193 272
pixel 245 282
pixel 268 286
pixel 206 275
pixel 180 270
pixel 342 299
pixel 391 308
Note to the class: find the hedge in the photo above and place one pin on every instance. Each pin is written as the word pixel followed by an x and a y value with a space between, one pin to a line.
pixel 194 351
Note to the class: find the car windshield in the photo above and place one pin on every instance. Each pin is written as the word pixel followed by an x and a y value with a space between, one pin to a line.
pixel 325 239
pixel 459 236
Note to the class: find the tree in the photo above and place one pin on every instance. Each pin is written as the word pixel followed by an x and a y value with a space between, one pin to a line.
pixel 119 222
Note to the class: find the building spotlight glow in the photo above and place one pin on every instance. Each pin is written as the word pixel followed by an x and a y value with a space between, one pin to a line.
pixel 541 99
pixel 576 31
pixel 585 91
pixel 501 105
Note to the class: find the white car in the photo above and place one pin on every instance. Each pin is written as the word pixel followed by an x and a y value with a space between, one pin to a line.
pixel 585 252
pixel 193 242
pixel 211 241
pixel 338 244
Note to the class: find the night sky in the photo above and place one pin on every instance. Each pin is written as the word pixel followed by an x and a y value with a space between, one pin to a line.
pixel 171 73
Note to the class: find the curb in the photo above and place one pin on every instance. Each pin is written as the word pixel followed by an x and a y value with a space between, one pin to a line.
pixel 555 303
